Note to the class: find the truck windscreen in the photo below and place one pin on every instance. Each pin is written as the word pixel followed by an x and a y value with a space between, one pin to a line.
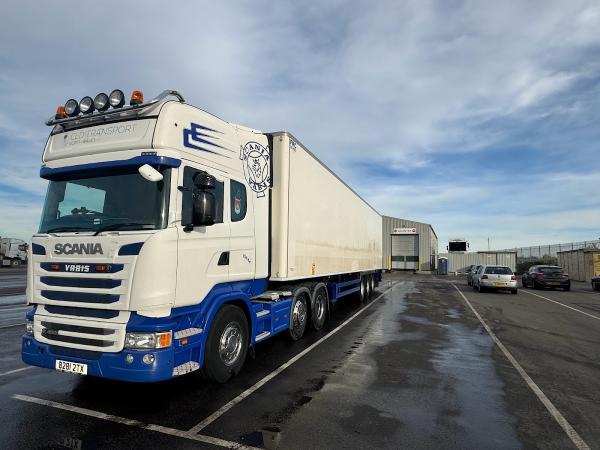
pixel 120 201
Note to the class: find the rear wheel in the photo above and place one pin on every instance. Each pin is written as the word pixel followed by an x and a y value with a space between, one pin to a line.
pixel 368 286
pixel 372 281
pixel 567 288
pixel 363 290
pixel 534 284
pixel 514 291
pixel 15 263
pixel 299 313
pixel 319 308
pixel 227 344
pixel 480 288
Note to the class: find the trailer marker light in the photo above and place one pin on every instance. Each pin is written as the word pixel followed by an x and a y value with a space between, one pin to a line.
pixel 137 97
pixel 71 107
pixel 116 98
pixel 60 113
pixel 86 105
pixel 101 102
pixel 183 341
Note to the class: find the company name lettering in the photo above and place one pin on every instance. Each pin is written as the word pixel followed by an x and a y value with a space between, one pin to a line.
pixel 78 249
pixel 91 135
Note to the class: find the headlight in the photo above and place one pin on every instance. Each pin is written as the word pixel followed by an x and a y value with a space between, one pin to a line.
pixel 29 327
pixel 148 340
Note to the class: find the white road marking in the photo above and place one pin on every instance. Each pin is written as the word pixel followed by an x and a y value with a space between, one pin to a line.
pixel 218 413
pixel 134 423
pixel 562 304
pixel 12 326
pixel 16 371
pixel 554 412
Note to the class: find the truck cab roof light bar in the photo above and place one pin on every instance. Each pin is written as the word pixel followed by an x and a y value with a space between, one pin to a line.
pixel 101 116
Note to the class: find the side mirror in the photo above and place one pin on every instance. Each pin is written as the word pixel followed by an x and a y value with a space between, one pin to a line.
pixel 204 209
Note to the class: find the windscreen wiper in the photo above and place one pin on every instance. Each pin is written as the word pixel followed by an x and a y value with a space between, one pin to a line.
pixel 59 229
pixel 116 226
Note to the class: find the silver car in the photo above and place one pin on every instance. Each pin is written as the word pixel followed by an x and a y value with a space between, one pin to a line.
pixel 495 277
pixel 471 274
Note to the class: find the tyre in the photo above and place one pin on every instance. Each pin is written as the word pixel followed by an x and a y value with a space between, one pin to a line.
pixel 514 291
pixel 372 281
pixel 319 303
pixel 362 294
pixel 226 345
pixel 534 285
pixel 299 313
pixel 480 288
pixel 15 262
pixel 567 288
pixel 368 289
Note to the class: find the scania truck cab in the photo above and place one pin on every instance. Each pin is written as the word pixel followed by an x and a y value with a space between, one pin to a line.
pixel 154 253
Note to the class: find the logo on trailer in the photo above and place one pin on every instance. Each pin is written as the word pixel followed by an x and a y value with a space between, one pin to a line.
pixel 256 167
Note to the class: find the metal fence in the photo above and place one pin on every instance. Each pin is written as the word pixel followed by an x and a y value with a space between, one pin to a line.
pixel 551 250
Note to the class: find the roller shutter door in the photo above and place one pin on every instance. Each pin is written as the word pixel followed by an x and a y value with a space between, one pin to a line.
pixel 405 251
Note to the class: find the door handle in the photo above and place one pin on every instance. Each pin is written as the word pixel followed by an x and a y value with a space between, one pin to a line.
pixel 223 259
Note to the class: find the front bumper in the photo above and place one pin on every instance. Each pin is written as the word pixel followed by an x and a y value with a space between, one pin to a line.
pixel 105 365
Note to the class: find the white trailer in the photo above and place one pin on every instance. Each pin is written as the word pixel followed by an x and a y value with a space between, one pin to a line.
pixel 173 241
pixel 13 252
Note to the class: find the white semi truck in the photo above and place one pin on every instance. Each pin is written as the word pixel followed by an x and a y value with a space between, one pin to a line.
pixel 172 241
pixel 13 252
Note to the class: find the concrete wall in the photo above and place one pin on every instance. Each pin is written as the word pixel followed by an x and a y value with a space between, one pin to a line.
pixel 428 241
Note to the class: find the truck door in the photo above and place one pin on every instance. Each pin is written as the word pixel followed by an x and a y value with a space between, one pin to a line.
pixel 241 213
pixel 203 253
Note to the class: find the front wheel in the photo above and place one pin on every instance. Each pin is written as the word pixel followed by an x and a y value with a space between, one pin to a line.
pixel 567 288
pixel 226 345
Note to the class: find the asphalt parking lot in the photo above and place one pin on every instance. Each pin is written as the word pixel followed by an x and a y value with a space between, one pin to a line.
pixel 413 368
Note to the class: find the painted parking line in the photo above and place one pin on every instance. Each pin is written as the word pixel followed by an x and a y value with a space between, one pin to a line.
pixel 10 372
pixel 218 413
pixel 554 412
pixel 134 423
pixel 562 304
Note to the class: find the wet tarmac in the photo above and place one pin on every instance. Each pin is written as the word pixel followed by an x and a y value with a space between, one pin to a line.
pixel 414 369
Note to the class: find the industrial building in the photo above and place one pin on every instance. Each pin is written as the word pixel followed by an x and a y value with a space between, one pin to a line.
pixel 582 264
pixel 409 245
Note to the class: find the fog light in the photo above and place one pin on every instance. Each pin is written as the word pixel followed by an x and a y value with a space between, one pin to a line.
pixel 86 105
pixel 129 358
pixel 116 98
pixel 29 327
pixel 148 359
pixel 72 107
pixel 101 102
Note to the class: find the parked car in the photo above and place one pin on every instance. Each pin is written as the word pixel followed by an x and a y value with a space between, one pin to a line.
pixel 596 283
pixel 539 277
pixel 495 277
pixel 471 274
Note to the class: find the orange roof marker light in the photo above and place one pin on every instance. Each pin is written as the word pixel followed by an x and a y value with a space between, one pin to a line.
pixel 60 113
pixel 137 98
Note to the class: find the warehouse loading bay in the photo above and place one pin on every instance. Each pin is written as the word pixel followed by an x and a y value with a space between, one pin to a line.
pixel 425 363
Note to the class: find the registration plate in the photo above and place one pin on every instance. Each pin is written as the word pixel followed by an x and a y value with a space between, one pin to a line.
pixel 554 283
pixel 498 283
pixel 71 367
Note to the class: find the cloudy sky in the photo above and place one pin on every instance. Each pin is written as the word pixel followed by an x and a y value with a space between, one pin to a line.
pixel 481 118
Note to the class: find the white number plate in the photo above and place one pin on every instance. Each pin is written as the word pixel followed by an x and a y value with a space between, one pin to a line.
pixel 71 367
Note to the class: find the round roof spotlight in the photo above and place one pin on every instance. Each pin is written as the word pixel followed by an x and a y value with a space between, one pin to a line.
pixel 71 107
pixel 86 105
pixel 116 98
pixel 101 102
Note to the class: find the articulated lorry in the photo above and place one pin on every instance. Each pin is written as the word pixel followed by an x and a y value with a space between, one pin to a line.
pixel 13 252
pixel 172 241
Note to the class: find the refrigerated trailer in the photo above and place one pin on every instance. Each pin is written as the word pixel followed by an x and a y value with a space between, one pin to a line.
pixel 13 252
pixel 173 241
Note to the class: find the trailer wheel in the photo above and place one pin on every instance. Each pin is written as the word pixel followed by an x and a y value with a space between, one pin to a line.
pixel 15 262
pixel 362 294
pixel 299 312
pixel 226 345
pixel 372 283
pixel 368 289
pixel 319 306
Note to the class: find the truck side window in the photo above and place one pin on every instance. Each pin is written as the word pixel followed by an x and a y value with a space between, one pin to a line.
pixel 188 199
pixel 238 201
